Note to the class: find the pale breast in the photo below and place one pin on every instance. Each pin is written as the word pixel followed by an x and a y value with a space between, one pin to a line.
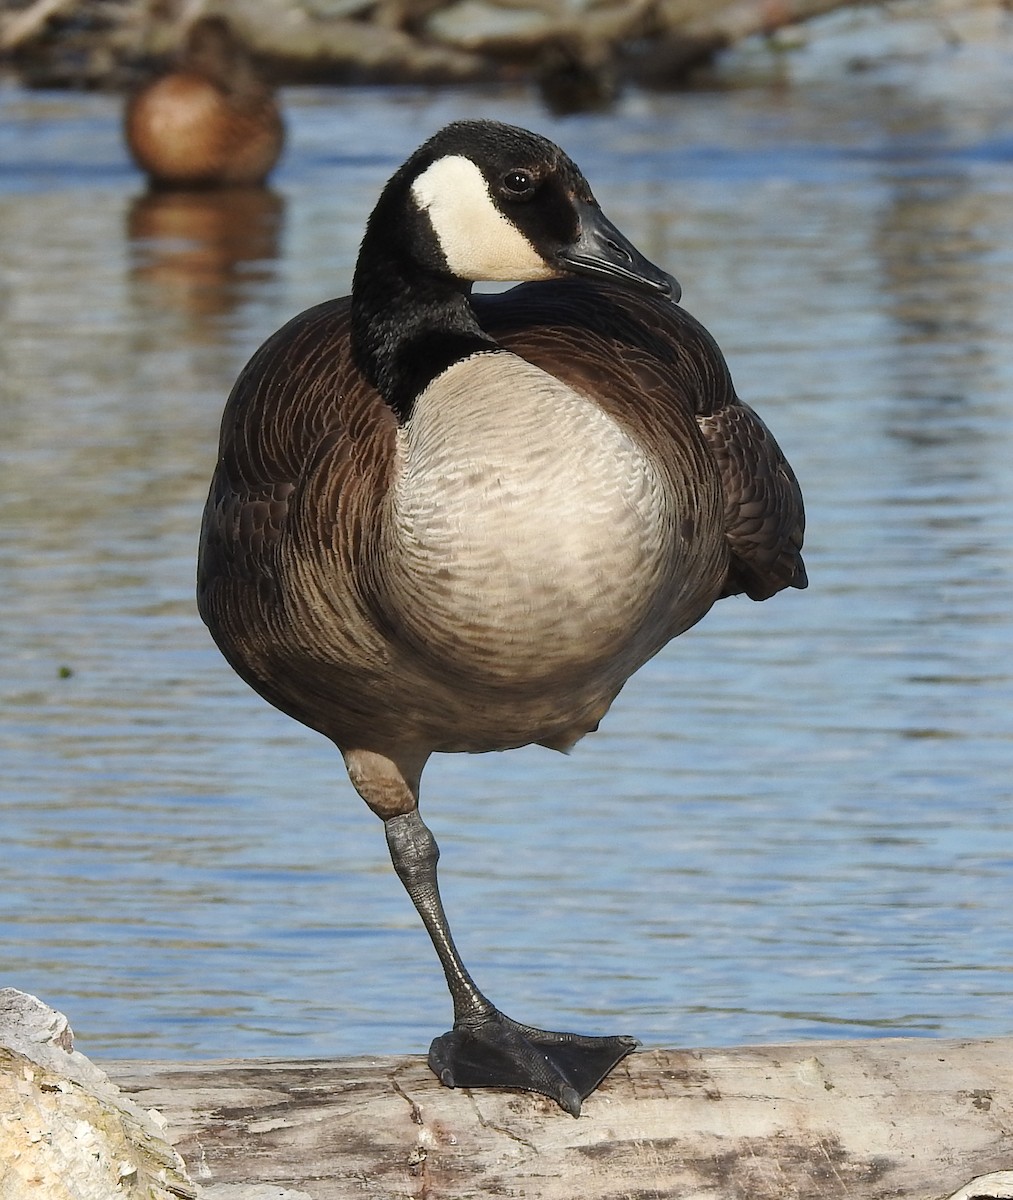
pixel 531 537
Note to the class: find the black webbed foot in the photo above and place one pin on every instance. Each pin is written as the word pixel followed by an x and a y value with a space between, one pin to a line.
pixel 501 1053
pixel 485 1048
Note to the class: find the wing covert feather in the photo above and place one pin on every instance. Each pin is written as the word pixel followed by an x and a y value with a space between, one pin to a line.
pixel 764 516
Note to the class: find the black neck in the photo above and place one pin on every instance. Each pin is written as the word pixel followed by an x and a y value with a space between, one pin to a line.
pixel 409 321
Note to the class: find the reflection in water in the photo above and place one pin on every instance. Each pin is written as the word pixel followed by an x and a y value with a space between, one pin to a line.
pixel 935 270
pixel 939 246
pixel 938 243
pixel 204 252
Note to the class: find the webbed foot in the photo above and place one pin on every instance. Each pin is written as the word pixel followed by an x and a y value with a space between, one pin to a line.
pixel 500 1053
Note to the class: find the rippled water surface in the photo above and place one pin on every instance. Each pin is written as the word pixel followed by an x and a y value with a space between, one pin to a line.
pixel 795 822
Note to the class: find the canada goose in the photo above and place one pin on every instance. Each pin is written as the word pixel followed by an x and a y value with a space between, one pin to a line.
pixel 209 121
pixel 452 523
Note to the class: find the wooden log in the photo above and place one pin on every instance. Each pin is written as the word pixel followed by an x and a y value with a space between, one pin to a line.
pixel 27 23
pixel 863 1120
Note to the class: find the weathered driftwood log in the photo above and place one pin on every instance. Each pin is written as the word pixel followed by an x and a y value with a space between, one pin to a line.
pixel 862 1120
pixel 858 1120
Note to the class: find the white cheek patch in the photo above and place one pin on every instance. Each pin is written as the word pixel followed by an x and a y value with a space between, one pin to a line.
pixel 477 241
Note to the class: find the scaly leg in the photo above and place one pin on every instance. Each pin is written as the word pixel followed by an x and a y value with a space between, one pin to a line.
pixel 486 1048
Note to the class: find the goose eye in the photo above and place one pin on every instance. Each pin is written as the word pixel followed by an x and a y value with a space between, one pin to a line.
pixel 519 184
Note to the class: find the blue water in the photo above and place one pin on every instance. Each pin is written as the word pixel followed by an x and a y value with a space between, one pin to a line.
pixel 794 823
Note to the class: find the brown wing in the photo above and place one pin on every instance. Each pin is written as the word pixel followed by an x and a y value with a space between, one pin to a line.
pixel 764 515
pixel 300 432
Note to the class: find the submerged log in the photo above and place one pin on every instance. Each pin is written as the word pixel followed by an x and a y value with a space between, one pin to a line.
pixel 862 1120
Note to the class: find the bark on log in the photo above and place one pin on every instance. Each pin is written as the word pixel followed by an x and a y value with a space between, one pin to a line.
pixel 856 1120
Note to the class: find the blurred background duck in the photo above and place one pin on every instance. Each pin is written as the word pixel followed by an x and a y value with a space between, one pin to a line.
pixel 210 120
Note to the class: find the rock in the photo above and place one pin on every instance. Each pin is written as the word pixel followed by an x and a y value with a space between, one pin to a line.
pixel 66 1132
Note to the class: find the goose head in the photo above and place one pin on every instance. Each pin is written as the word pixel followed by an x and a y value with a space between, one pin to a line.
pixel 483 201
pixel 479 201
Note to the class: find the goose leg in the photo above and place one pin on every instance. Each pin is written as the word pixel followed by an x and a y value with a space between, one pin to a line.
pixel 486 1048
